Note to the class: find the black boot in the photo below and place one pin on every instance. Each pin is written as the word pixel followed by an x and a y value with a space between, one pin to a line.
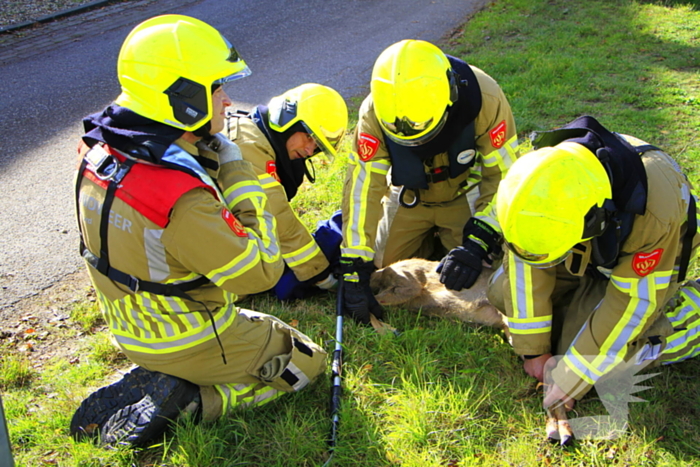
pixel 134 410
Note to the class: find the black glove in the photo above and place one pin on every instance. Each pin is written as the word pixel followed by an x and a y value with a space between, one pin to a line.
pixel 358 300
pixel 463 264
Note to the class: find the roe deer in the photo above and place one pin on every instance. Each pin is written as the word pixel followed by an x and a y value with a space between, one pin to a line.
pixel 414 284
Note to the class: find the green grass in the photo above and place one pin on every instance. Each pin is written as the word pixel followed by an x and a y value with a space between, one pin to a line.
pixel 441 393
pixel 87 315
pixel 15 370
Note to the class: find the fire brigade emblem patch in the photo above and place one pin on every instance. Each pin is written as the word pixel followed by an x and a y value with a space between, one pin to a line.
pixel 233 223
pixel 644 263
pixel 271 169
pixel 498 135
pixel 367 146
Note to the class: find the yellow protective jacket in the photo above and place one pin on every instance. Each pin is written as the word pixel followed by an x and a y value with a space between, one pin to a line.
pixel 299 249
pixel 224 232
pixel 643 279
pixel 369 164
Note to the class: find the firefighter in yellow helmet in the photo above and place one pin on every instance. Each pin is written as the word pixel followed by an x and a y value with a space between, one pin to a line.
pixel 279 139
pixel 174 227
pixel 444 134
pixel 599 229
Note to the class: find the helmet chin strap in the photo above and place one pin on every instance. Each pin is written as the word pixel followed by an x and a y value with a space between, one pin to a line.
pixel 598 218
pixel 203 131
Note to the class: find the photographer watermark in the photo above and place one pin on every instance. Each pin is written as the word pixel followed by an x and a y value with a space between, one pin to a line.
pixel 615 388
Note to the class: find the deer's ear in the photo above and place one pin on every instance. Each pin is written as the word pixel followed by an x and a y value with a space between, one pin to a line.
pixel 420 276
pixel 382 279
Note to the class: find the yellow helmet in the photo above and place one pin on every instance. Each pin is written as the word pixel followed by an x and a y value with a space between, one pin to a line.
pixel 321 111
pixel 547 200
pixel 412 86
pixel 167 66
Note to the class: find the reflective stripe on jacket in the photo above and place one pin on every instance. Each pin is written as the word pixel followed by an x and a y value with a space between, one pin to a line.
pixel 368 165
pixel 231 242
pixel 299 249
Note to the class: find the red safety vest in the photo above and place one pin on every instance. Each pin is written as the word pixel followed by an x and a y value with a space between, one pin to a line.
pixel 152 190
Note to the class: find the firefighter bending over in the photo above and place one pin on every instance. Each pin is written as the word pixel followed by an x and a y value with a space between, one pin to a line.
pixel 600 228
pixel 280 139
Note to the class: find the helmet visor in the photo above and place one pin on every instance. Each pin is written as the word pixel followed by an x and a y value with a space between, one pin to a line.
pixel 233 57
pixel 406 132
pixel 242 73
pixel 539 261
pixel 326 141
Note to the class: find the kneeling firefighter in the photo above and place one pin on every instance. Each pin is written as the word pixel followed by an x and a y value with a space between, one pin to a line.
pixel 445 133
pixel 174 226
pixel 600 228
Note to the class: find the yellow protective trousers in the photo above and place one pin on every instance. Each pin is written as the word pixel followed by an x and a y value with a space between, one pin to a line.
pixel 684 316
pixel 265 358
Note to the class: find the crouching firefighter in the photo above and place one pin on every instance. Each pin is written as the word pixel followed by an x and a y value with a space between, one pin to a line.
pixel 600 228
pixel 446 131
pixel 280 139
pixel 174 226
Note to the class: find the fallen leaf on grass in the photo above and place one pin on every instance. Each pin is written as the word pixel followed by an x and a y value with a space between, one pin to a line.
pixel 49 458
pixel 90 429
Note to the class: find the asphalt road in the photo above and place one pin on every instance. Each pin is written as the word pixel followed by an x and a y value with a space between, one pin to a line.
pixel 52 77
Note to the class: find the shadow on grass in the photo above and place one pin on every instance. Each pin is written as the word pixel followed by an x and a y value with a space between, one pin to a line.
pixel 670 417
pixel 695 4
pixel 558 60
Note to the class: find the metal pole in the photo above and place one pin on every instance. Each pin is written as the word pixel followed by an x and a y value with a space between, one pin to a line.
pixel 5 449
pixel 336 369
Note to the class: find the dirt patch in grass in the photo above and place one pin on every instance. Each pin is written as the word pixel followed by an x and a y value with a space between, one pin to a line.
pixel 40 326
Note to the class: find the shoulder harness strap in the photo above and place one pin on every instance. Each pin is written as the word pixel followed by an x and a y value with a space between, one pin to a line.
pixel 107 166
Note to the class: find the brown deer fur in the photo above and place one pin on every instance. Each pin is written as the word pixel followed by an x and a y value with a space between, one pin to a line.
pixel 414 284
